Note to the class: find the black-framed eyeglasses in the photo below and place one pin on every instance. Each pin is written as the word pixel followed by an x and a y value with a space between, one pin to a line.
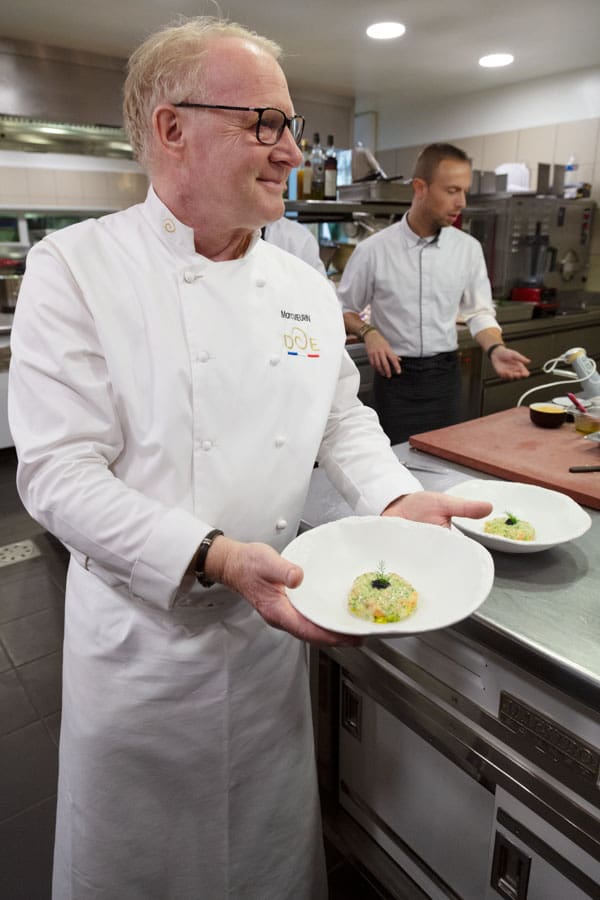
pixel 271 121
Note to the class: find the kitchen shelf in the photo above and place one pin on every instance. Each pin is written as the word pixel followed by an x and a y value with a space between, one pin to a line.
pixel 336 211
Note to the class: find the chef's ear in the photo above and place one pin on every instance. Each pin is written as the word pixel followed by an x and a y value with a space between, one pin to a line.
pixel 167 128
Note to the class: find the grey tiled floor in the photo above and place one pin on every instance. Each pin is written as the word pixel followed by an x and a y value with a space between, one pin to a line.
pixel 31 626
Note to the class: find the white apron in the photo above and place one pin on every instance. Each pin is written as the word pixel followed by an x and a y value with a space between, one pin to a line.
pixel 218 693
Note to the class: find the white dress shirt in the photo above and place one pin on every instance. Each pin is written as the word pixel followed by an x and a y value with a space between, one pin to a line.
pixel 417 287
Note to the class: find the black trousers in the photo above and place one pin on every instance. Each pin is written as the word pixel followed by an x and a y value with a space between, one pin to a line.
pixel 424 396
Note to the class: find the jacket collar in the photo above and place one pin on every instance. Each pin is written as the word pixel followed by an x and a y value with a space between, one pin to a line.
pixel 177 236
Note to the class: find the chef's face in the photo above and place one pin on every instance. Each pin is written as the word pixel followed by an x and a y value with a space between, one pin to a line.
pixel 234 178
pixel 444 197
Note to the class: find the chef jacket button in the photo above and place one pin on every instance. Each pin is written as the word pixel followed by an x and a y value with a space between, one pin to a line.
pixel 279 440
pixel 203 356
pixel 206 445
pixel 169 226
pixel 280 524
pixel 274 360
pixel 260 282
pixel 189 277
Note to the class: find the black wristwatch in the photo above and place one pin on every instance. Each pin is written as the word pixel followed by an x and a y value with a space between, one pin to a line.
pixel 200 560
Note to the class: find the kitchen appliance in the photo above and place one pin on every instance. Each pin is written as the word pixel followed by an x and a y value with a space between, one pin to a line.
pixel 379 190
pixel 370 183
pixel 540 243
pixel 585 372
pixel 585 369
pixel 485 792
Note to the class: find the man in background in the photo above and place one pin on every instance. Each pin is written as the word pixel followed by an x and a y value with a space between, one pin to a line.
pixel 418 276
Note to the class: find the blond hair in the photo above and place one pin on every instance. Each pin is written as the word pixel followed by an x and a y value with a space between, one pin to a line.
pixel 167 67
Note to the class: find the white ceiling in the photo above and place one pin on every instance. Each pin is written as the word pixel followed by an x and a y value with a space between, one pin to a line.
pixel 326 46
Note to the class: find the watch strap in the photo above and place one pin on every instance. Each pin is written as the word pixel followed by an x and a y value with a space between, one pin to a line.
pixel 200 561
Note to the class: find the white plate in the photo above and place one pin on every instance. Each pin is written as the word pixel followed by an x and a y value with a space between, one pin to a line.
pixel 568 404
pixel 594 436
pixel 451 574
pixel 555 517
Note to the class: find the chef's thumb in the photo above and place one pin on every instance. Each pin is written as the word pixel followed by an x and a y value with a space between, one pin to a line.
pixel 294 576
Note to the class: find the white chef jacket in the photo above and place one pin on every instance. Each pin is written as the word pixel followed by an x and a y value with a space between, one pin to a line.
pixel 296 239
pixel 155 394
pixel 417 287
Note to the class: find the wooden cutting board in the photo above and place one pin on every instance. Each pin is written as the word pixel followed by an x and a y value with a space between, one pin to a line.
pixel 507 444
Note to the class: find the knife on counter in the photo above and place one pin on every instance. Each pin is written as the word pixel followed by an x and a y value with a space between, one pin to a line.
pixel 423 467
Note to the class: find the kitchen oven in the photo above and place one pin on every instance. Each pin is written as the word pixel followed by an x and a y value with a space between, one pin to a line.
pixel 458 773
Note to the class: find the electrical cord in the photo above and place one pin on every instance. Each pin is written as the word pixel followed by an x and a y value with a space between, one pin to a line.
pixel 550 368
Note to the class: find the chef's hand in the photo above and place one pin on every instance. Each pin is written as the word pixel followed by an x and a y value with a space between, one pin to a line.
pixel 509 364
pixel 437 509
pixel 261 575
pixel 381 356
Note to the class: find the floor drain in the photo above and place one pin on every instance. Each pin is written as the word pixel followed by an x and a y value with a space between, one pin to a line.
pixel 18 552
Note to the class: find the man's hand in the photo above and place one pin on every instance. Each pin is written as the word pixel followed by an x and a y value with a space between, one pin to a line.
pixel 436 509
pixel 509 364
pixel 261 575
pixel 381 356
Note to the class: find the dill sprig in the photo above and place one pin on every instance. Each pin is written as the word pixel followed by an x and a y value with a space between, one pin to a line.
pixel 381 579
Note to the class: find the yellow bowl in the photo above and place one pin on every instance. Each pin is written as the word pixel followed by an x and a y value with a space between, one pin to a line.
pixel 547 415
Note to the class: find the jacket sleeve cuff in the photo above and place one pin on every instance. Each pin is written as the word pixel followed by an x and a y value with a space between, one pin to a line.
pixel 158 573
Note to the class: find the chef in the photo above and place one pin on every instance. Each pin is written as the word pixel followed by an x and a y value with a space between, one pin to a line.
pixel 173 379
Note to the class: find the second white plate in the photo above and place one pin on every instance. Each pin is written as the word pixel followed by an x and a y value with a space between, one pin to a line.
pixel 555 517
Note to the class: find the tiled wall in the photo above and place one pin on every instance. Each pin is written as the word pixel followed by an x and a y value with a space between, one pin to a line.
pixel 542 144
pixel 33 186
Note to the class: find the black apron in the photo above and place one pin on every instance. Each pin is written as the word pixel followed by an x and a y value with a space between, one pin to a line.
pixel 424 396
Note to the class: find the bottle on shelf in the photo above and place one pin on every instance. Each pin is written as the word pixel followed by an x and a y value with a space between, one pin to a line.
pixel 306 181
pixel 330 182
pixel 317 160
pixel 300 170
pixel 570 184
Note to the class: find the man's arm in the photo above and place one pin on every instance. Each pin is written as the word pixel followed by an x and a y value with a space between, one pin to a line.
pixel 477 310
pixel 261 575
pixel 355 292
pixel 381 356
pixel 507 363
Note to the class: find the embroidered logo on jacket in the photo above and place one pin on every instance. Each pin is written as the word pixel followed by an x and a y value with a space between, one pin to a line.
pixel 297 341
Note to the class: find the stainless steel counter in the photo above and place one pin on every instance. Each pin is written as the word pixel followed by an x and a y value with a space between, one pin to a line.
pixel 544 609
